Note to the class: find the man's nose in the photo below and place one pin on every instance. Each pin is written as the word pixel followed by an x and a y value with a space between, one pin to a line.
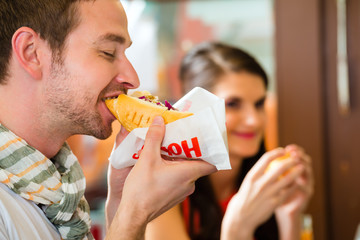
pixel 127 75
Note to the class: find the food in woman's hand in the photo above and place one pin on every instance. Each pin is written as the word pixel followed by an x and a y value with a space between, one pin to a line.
pixel 275 163
pixel 139 110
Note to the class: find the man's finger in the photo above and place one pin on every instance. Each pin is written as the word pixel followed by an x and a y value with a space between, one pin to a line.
pixel 202 168
pixel 121 136
pixel 154 136
pixel 195 168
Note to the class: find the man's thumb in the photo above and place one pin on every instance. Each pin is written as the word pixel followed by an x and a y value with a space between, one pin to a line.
pixel 155 135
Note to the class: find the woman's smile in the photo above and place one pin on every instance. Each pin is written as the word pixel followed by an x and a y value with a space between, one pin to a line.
pixel 245 135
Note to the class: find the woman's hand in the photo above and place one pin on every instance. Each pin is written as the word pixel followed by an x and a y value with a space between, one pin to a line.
pixel 298 201
pixel 259 195
pixel 289 213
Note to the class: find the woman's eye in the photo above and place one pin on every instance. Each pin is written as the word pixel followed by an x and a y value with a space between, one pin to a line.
pixel 260 104
pixel 233 104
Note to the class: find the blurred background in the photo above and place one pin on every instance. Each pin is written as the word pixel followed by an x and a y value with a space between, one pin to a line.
pixel 310 51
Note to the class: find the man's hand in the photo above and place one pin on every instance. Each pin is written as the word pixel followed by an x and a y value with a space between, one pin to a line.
pixel 116 179
pixel 154 185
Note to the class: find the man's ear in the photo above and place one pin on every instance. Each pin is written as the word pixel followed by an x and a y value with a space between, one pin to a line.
pixel 27 45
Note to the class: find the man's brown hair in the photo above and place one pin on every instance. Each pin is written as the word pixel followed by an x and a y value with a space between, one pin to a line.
pixel 53 20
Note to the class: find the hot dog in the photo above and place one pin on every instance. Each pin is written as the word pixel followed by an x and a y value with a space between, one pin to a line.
pixel 139 109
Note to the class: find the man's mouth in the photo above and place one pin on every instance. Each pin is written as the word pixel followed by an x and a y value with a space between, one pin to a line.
pixel 112 96
pixel 108 98
pixel 112 93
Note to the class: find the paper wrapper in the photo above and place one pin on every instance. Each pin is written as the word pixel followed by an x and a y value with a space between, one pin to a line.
pixel 200 136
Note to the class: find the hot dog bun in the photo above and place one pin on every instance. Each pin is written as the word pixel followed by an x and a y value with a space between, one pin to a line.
pixel 133 112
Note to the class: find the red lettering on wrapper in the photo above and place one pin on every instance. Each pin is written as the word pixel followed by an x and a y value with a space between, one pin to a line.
pixel 166 150
pixel 175 149
pixel 187 106
pixel 137 155
pixel 195 148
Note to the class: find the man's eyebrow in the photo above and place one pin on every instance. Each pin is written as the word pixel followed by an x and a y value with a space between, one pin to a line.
pixel 112 38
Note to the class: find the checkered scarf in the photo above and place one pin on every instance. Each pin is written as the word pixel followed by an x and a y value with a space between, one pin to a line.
pixel 56 185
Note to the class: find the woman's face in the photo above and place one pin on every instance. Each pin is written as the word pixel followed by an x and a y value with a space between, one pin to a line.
pixel 244 94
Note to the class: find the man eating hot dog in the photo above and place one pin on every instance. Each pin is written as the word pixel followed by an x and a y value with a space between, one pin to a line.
pixel 59 61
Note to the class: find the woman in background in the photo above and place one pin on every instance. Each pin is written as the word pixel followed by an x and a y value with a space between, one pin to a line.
pixel 227 204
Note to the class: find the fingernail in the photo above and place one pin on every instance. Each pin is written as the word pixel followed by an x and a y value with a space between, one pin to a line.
pixel 158 120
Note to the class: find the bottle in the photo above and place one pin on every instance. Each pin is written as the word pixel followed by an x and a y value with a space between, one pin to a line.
pixel 307 229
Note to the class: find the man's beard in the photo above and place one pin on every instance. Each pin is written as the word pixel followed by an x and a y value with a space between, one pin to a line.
pixel 73 110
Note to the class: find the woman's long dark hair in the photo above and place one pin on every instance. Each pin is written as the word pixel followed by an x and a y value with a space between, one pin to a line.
pixel 202 67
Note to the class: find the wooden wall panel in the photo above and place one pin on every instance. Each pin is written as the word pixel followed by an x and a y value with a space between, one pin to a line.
pixel 343 130
pixel 299 78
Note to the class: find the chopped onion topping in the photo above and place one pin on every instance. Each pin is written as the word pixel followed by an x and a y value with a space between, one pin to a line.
pixel 154 99
pixel 168 105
